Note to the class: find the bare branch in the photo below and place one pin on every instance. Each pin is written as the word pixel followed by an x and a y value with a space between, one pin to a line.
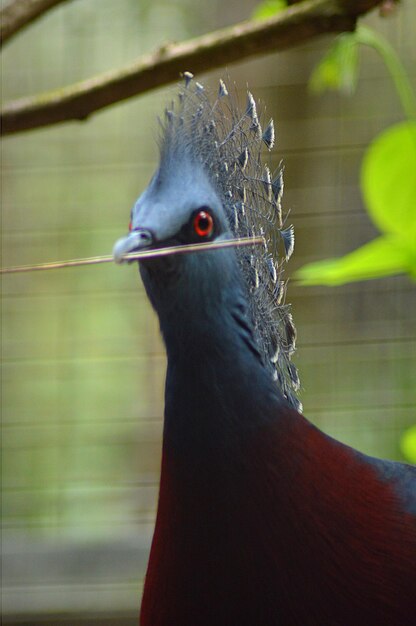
pixel 19 13
pixel 297 24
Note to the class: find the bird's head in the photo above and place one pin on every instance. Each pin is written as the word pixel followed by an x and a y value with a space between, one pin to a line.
pixel 180 206
pixel 211 184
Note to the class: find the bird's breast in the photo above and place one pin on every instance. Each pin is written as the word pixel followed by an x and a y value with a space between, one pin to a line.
pixel 286 527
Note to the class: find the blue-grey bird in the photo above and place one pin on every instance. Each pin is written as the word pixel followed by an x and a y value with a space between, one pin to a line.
pixel 262 519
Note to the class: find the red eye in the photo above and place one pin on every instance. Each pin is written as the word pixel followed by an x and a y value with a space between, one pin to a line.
pixel 203 224
pixel 130 226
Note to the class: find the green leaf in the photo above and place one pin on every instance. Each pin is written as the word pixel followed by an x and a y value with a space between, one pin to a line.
pixel 408 444
pixel 268 8
pixel 388 175
pixel 388 183
pixel 384 256
pixel 388 180
pixel 338 69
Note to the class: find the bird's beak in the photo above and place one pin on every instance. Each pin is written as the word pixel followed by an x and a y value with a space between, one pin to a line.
pixel 136 240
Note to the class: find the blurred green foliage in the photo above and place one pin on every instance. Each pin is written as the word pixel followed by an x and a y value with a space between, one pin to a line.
pixel 268 8
pixel 408 444
pixel 388 182
pixel 338 69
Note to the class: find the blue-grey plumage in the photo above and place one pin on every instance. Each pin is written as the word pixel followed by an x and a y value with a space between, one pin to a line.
pixel 211 156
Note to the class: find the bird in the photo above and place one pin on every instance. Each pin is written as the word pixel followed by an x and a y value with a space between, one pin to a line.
pixel 262 519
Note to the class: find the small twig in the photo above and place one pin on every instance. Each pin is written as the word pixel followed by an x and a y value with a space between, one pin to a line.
pixel 297 24
pixel 20 13
pixel 135 256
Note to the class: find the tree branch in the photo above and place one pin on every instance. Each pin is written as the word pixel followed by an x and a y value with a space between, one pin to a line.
pixel 297 24
pixel 19 13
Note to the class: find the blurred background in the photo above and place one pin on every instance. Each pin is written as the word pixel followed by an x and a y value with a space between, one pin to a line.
pixel 82 362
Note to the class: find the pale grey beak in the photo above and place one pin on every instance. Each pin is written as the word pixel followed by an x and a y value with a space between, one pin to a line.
pixel 134 241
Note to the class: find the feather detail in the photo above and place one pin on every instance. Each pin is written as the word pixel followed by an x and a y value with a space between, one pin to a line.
pixel 228 144
pixel 222 90
pixel 268 135
pixel 288 236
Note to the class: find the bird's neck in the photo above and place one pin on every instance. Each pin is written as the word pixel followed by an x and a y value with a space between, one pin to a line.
pixel 217 386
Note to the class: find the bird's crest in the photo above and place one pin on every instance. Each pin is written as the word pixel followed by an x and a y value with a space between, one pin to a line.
pixel 228 145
